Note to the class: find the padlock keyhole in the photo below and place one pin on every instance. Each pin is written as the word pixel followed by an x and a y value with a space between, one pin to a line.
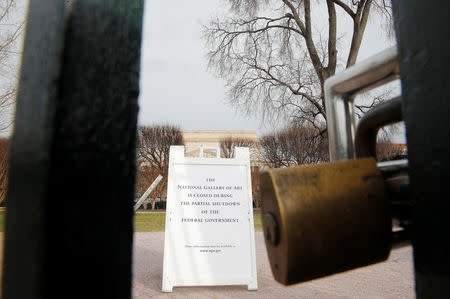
pixel 271 229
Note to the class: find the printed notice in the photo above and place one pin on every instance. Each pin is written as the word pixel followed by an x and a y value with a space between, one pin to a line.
pixel 209 225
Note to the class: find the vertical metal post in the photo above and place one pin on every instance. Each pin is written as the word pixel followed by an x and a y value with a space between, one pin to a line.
pixel 341 128
pixel 69 224
pixel 422 32
pixel 25 237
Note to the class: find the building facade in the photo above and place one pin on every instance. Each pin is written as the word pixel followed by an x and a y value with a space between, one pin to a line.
pixel 194 140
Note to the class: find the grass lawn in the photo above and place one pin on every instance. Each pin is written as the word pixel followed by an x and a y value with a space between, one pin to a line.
pixel 154 222
pixel 149 222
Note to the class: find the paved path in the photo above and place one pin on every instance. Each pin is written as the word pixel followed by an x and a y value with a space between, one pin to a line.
pixel 391 279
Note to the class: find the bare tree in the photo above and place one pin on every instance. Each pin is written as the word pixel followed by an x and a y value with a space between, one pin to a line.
pixel 275 60
pixel 228 144
pixel 153 155
pixel 292 146
pixel 301 146
pixel 10 30
pixel 154 144
pixel 272 156
pixel 9 33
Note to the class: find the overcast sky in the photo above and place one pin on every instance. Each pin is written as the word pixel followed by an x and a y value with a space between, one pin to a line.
pixel 175 84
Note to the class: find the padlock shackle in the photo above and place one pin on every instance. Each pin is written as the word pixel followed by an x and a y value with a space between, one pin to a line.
pixel 384 114
pixel 340 91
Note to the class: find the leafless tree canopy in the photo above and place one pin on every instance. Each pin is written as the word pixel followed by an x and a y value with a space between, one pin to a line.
pixel 228 144
pixel 10 30
pixel 292 146
pixel 386 150
pixel 154 144
pixel 153 156
pixel 275 60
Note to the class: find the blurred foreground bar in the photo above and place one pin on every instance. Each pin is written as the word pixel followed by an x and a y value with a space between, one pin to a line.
pixel 424 56
pixel 69 221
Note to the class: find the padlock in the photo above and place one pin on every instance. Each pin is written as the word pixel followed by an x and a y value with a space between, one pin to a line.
pixel 325 218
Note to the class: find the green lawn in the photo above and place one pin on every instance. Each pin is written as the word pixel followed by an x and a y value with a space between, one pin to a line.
pixel 154 222
pixel 257 221
pixel 150 222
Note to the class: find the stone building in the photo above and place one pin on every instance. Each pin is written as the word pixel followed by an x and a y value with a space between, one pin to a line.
pixel 195 139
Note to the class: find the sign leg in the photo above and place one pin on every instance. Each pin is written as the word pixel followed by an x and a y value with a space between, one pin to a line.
pixel 252 286
pixel 166 286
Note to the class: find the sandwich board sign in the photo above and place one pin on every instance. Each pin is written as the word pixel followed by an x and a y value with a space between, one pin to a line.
pixel 209 235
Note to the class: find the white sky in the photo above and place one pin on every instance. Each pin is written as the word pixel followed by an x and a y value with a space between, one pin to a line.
pixel 175 85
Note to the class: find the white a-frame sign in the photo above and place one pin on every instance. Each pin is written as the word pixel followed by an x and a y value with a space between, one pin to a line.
pixel 209 238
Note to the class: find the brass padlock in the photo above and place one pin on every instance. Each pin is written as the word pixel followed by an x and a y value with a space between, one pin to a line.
pixel 325 218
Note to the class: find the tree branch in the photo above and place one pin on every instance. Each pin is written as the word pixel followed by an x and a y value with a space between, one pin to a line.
pixel 359 26
pixel 345 7
pixel 309 40
pixel 332 51
pixel 293 90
